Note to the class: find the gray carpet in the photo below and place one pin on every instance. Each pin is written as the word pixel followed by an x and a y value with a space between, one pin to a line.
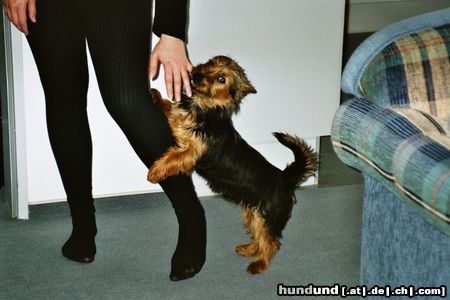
pixel 138 234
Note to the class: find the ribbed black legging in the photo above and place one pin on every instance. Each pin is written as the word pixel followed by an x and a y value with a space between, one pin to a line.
pixel 118 36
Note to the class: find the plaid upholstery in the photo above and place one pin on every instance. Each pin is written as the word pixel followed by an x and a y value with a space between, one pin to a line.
pixel 399 132
pixel 413 164
pixel 413 71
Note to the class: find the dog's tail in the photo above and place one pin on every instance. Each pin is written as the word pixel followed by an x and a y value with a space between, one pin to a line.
pixel 305 164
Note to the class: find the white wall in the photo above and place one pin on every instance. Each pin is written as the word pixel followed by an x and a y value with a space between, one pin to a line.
pixel 292 53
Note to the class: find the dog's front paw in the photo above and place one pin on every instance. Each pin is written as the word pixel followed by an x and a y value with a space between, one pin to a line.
pixel 156 173
pixel 152 176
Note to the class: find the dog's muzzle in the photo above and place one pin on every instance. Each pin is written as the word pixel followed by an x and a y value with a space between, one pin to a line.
pixel 197 77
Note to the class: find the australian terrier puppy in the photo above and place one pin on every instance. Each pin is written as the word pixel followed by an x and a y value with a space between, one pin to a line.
pixel 207 142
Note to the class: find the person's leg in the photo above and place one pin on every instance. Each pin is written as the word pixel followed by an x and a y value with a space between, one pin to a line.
pixel 118 36
pixel 58 45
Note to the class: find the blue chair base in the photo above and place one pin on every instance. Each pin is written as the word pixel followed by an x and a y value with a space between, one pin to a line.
pixel 398 247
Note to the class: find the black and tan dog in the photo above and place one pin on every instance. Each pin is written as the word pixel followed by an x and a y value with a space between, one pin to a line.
pixel 207 142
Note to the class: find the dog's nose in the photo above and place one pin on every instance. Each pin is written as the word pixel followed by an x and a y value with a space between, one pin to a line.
pixel 197 77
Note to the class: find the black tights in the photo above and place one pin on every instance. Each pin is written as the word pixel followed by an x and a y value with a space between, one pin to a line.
pixel 118 35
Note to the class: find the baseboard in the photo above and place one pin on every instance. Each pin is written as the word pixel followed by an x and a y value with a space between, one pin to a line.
pixel 96 196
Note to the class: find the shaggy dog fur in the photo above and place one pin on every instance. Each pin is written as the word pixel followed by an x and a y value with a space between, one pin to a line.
pixel 207 142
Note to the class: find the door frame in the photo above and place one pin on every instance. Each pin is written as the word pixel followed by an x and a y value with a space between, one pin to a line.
pixel 13 120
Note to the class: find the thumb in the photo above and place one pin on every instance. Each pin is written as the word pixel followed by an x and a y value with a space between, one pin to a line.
pixel 189 67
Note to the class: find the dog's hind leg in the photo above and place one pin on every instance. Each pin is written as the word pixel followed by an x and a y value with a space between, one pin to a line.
pixel 251 248
pixel 267 246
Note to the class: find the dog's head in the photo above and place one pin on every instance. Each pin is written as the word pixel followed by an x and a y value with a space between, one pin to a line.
pixel 219 84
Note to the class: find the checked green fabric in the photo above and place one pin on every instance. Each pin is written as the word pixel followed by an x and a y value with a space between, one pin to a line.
pixel 413 71
pixel 398 132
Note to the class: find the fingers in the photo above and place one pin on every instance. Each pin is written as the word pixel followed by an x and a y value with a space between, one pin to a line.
pixel 32 10
pixel 168 80
pixel 187 82
pixel 16 11
pixel 177 84
pixel 189 67
pixel 6 10
pixel 175 79
pixel 22 18
pixel 154 63
pixel 14 18
pixel 171 53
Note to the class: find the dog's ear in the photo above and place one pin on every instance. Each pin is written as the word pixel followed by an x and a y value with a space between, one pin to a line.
pixel 156 95
pixel 248 88
pixel 241 90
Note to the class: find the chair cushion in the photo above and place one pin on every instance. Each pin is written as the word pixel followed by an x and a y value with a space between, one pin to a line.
pixel 413 71
pixel 372 46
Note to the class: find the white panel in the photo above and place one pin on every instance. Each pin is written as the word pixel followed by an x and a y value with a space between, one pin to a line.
pixel 292 53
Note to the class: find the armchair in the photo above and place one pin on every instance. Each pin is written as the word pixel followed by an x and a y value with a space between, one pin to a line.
pixel 396 131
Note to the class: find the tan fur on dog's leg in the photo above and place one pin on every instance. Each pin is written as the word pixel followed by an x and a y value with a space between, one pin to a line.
pixel 177 160
pixel 267 246
pixel 251 248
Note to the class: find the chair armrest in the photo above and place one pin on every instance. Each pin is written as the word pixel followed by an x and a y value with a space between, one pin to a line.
pixel 403 150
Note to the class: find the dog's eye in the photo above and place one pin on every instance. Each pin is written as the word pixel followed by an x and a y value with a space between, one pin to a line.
pixel 221 79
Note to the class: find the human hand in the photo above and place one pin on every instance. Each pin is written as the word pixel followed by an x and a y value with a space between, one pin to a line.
pixel 16 11
pixel 171 53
